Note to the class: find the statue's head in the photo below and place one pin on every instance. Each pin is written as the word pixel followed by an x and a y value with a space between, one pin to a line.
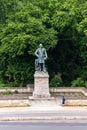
pixel 41 45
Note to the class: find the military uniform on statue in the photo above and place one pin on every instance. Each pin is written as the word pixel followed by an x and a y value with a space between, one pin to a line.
pixel 41 77
pixel 41 94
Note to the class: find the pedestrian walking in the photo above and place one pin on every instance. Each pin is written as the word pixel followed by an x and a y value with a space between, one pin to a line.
pixel 63 100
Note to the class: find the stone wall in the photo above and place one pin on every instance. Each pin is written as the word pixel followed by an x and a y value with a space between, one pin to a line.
pixel 69 89
pixel 14 103
pixel 68 102
pixel 30 88
pixel 76 103
pixel 24 103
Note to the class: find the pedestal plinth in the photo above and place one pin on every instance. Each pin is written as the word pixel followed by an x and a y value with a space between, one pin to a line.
pixel 41 85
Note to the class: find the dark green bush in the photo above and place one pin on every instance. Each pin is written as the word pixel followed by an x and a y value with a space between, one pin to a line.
pixel 56 81
pixel 79 82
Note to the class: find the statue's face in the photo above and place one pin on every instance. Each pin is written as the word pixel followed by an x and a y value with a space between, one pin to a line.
pixel 40 45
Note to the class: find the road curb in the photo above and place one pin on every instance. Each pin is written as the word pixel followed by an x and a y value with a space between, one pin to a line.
pixel 42 118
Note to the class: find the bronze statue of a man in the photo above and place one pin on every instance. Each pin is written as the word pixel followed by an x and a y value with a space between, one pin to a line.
pixel 41 55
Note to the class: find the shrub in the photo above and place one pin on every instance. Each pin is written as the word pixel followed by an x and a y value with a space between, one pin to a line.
pixel 12 84
pixel 2 84
pixel 78 82
pixel 56 81
pixel 8 92
pixel 16 92
pixel 86 84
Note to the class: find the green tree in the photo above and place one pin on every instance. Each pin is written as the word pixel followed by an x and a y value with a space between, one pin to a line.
pixel 61 26
pixel 20 38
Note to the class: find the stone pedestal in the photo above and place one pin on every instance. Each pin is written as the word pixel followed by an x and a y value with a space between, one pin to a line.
pixel 41 95
pixel 41 85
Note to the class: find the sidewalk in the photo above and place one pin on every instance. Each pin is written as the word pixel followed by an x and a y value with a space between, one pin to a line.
pixel 43 108
pixel 43 113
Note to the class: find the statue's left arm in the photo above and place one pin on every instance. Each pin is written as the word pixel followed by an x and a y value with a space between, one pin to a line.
pixel 45 54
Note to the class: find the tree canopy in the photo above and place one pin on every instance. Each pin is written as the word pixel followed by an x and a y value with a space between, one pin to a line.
pixel 61 26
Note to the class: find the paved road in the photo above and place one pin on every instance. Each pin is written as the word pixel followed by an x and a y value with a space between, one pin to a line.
pixel 43 125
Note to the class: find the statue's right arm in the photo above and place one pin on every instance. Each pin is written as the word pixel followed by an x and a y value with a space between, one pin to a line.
pixel 36 53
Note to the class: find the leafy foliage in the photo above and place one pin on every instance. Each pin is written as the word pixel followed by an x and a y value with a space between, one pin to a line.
pixel 61 26
pixel 78 82
pixel 56 81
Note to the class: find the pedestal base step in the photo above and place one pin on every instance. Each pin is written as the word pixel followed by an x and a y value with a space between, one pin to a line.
pixel 40 102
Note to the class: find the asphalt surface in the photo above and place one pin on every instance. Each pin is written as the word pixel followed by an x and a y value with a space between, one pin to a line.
pixel 43 125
